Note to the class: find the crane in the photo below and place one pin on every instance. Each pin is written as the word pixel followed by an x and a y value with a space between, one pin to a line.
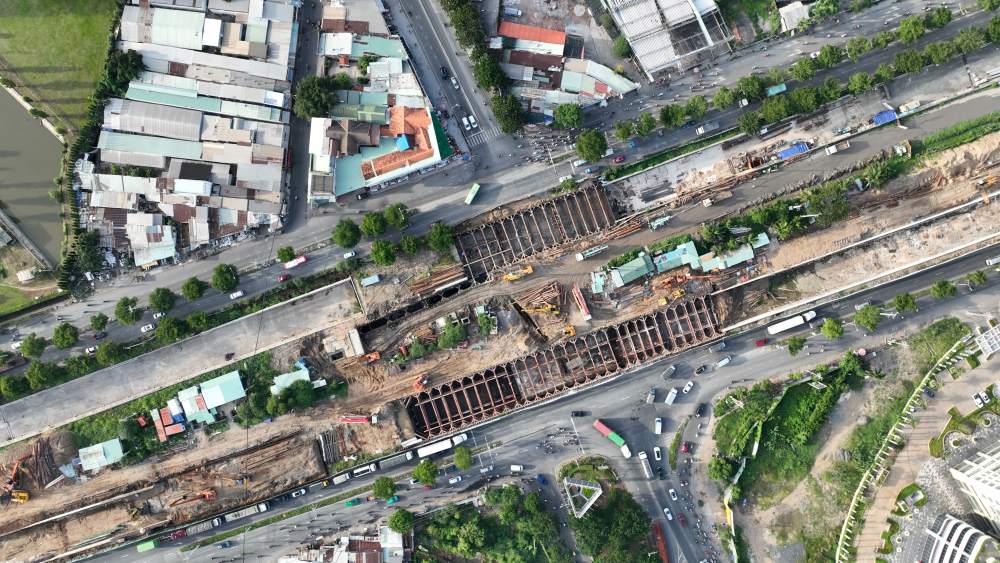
pixel 207 495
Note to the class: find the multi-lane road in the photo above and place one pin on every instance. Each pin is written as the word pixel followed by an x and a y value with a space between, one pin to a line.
pixel 519 438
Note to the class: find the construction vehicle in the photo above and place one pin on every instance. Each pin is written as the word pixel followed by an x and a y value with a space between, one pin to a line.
pixel 841 146
pixel 514 276
pixel 9 491
pixel 986 182
pixel 678 293
pixel 207 495
pixel 371 358
pixel 569 331
pixel 546 308
pixel 420 383
pixel 593 251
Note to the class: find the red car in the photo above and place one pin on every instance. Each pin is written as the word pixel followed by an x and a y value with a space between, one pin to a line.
pixel 619 158
pixel 760 342
pixel 284 278
pixel 686 448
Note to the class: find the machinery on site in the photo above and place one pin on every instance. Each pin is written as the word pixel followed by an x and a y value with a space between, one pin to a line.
pixel 569 331
pixel 518 274
pixel 9 491
pixel 420 383
pixel 207 495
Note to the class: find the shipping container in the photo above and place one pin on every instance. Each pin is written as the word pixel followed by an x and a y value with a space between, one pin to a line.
pixel 203 526
pixel 371 280
pixel 146 546
pixel 395 460
pixel 600 427
pixel 618 440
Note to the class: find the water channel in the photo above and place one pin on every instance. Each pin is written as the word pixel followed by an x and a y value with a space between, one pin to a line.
pixel 29 159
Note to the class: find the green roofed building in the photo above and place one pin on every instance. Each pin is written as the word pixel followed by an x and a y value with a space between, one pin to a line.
pixel 99 455
pixel 223 389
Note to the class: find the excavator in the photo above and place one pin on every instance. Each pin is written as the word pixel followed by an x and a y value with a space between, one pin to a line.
pixel 420 383
pixel 9 491
pixel 207 495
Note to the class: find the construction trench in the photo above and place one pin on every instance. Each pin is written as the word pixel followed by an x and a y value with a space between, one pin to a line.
pixel 489 248
pixel 548 372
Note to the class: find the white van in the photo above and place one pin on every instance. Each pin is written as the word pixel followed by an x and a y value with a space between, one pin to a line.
pixel 579 162
pixel 515 469
pixel 465 123
pixel 658 426
pixel 724 362
pixel 236 294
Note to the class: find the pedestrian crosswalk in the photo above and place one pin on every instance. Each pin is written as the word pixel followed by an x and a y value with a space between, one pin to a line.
pixel 482 137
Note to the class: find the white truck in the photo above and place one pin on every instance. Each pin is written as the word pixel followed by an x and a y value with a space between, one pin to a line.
pixel 707 128
pixel 671 396
pixel 710 201
pixel 250 510
pixel 792 322
pixel 841 146
pixel 646 469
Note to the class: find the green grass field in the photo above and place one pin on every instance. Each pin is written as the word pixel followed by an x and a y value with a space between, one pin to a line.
pixel 54 51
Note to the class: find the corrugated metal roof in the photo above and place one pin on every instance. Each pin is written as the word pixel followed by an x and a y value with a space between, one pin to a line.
pixel 144 144
pixel 177 28
pixel 223 389
pixel 381 46
pixel 283 381
pixel 163 95
pixel 532 33
pixel 154 119
pixel 632 270
pixel 100 455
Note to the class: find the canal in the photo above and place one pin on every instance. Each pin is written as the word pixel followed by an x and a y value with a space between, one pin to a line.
pixel 29 160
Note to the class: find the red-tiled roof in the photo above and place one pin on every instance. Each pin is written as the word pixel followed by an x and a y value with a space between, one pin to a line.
pixel 532 33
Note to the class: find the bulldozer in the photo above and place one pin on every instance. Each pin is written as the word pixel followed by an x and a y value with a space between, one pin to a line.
pixel 516 275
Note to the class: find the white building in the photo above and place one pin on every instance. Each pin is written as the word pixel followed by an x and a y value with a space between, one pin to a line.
pixel 953 541
pixel 979 478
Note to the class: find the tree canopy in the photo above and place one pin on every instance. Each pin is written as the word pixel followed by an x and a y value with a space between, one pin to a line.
pixel 32 346
pixel 463 458
pixel 401 521
pixel 193 288
pixel 373 224
pixel 225 277
pixel 397 215
pixel 440 238
pixel 383 253
pixel 384 488
pixel 568 116
pixel 591 145
pixel 99 322
pixel 162 299
pixel 346 234
pixel 508 111
pixel 286 254
pixel 832 328
pixel 65 336
pixel 868 317
pixel 314 97
pixel 425 472
pixel 127 310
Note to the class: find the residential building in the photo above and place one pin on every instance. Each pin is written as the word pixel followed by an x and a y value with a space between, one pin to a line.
pixel 951 540
pixel 100 455
pixel 792 15
pixel 194 152
pixel 384 128
pixel 670 35
pixel 978 477
pixel 387 547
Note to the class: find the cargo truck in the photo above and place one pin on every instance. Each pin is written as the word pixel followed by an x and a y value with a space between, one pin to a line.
pixel 590 252
pixel 710 201
pixel 671 396
pixel 707 128
pixel 395 460
pixel 791 323
pixel 615 438
pixel 841 146
pixel 249 511
pixel 203 526
pixel 646 469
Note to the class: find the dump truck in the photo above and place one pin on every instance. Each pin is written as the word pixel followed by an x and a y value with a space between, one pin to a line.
pixel 710 201
pixel 707 128
pixel 841 146
pixel 248 511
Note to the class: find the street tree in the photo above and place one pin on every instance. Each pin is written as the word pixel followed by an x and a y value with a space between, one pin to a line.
pixel 936 18
pixel 804 100
pixel 750 87
pixel 621 48
pixel 857 46
pixel 440 238
pixel 591 145
pixel 42 374
pixel 860 82
pixel 110 353
pixel 286 254
pixel 401 521
pixel 775 76
pixel 410 244
pixel 383 252
pixel 623 130
pixel 977 278
pixel 884 73
pixel 830 56
pixel 568 116
pixel 721 469
pixel 645 124
pixel 397 216
pixel 313 97
pixel 162 299
pixel 373 224
pixel 425 472
pixel 487 71
pixel 939 52
pixel 225 278
pixel 910 29
pixel 509 113
pixel 346 234
pixel 868 317
pixel 99 322
pixel 803 69
pixel 198 321
pixel 171 329
pixel 904 303
pixel 723 98
pixel 832 328
pixel 13 387
pixel 883 39
pixel 822 9
pixel 775 109
pixel 384 488
pixel 749 122
pixel 969 40
pixel 193 288
pixel 795 344
pixel 65 336
pixel 127 310
pixel 463 458
pixel 830 90
pixel 671 116
pixel 943 289
pixel 696 107
pixel 993 29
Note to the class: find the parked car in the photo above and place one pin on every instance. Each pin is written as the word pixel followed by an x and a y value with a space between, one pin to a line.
pixel 284 277
pixel 349 255
pixel 455 479
pixel 298 493
pixel 472 121
pixel 760 342
pixel 392 500
pixel 158 315
pixel 673 494
pixel 466 124
pixel 701 370
pixel 578 413
pixel 978 401
pixel 688 387
pixel 668 514
pixel 541 480
pixel 619 159
pixel 685 447
pixel 656 453
pixel 100 335
pixel 701 409
pixel 15 346
pixel 225 544
pixel 147 328
pixel 353 502
pixel 236 294
pixel 91 350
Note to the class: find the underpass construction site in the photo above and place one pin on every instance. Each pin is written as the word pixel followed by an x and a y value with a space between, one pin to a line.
pixel 511 319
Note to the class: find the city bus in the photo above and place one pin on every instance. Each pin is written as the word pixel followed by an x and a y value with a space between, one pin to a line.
pixel 472 194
